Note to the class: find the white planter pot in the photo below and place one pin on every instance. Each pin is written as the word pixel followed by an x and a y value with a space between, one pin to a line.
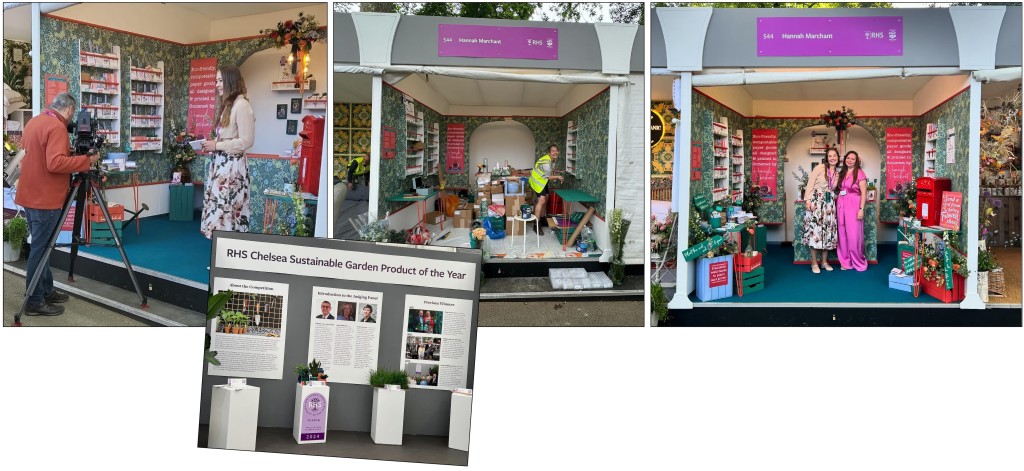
pixel 983 286
pixel 10 255
pixel 388 416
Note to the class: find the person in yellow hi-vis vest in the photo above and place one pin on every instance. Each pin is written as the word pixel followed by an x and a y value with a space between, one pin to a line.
pixel 543 170
pixel 359 167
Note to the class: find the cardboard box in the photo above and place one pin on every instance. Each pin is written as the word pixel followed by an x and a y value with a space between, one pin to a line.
pixel 433 217
pixel 512 227
pixel 482 196
pixel 497 198
pixel 463 218
pixel 512 204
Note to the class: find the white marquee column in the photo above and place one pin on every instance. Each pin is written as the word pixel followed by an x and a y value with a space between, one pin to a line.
pixel 375 134
pixel 682 98
pixel 972 300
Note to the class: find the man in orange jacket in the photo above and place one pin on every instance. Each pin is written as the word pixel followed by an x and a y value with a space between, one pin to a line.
pixel 42 189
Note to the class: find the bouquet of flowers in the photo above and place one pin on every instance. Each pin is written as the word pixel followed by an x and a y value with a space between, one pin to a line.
pixel 906 203
pixel 618 227
pixel 839 119
pixel 479 233
pixel 178 148
pixel 375 231
pixel 661 232
pixel 300 34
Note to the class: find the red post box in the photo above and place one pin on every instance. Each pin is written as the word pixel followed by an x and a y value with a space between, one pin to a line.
pixel 929 198
pixel 311 155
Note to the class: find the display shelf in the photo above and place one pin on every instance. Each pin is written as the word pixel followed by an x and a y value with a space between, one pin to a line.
pixel 570 148
pixel 100 90
pixel 433 161
pixel 288 86
pixel 930 141
pixel 414 128
pixel 315 105
pixel 738 177
pixel 722 159
pixel 146 123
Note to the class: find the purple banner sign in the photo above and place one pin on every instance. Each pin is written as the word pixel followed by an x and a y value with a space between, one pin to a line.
pixel 830 36
pixel 504 42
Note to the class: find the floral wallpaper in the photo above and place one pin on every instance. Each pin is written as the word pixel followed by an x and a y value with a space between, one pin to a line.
pixel 661 153
pixel 802 253
pixel 392 171
pixel 59 55
pixel 545 132
pixel 591 121
pixel 351 133
pixel 954 114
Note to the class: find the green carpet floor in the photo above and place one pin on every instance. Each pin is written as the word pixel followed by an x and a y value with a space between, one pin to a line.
pixel 786 282
pixel 173 247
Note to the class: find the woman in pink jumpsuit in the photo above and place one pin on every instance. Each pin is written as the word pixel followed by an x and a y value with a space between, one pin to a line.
pixel 850 211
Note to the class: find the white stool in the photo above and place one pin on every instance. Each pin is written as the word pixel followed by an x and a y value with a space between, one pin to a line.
pixel 516 219
pixel 233 417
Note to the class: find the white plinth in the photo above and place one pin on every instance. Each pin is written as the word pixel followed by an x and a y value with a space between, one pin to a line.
pixel 233 417
pixel 388 416
pixel 310 425
pixel 458 425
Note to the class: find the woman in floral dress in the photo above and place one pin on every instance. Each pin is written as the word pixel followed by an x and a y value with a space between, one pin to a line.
pixel 226 197
pixel 821 229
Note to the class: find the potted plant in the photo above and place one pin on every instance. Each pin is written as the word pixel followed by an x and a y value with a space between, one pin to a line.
pixel 302 370
pixel 697 234
pixel 15 233
pixel 215 304
pixel 316 371
pixel 659 305
pixel 906 203
pixel 618 226
pixel 181 152
pixel 986 264
pixel 933 272
pixel 388 415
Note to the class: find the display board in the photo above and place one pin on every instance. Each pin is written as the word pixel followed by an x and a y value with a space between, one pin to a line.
pixel 258 350
pixel 829 36
pixel 391 280
pixel 949 215
pixel 455 143
pixel 899 154
pixel 436 343
pixel 202 96
pixel 499 42
pixel 764 154
pixel 54 85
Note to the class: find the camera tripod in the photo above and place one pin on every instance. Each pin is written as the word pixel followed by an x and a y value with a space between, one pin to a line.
pixel 81 183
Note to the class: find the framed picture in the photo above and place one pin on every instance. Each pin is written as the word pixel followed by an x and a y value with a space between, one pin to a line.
pixel 296 105
pixel 292 127
pixel 282 111
pixel 176 177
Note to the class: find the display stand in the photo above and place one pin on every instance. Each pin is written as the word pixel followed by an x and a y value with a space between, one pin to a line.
pixel 310 423
pixel 233 417
pixel 720 132
pixel 100 90
pixel 570 149
pixel 147 108
pixel 517 219
pixel 433 161
pixel 458 424
pixel 388 416
pixel 737 178
pixel 931 137
pixel 414 131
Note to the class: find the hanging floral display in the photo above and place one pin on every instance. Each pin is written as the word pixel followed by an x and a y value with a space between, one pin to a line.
pixel 839 119
pixel 300 34
pixel 1000 142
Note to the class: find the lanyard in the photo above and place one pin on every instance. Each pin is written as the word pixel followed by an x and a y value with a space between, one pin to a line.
pixel 831 179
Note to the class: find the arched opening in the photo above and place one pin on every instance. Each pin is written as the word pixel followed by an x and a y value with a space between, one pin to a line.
pixel 499 141
pixel 798 153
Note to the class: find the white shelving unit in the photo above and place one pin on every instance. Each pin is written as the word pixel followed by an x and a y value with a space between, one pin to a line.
pixel 433 148
pixel 570 148
pixel 147 119
pixel 931 138
pixel 720 134
pixel 737 179
pixel 288 86
pixel 100 90
pixel 414 133
pixel 315 104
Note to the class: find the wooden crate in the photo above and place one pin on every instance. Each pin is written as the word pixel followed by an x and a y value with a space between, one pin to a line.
pixel 749 282
pixel 714 278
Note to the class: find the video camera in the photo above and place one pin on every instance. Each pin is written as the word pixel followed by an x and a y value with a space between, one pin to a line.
pixel 86 139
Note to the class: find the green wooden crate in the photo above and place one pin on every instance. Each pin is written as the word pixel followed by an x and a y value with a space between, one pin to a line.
pixel 100 232
pixel 750 282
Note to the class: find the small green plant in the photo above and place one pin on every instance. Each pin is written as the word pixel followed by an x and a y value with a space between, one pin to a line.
pixel 314 367
pixel 15 232
pixel 379 378
pixel 659 303
pixel 214 305
pixel 301 369
pixel 986 262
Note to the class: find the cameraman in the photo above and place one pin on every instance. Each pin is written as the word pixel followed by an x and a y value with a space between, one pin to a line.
pixel 43 187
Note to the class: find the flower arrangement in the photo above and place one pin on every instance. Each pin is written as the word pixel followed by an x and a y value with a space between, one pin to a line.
pixel 933 265
pixel 751 228
pixel 1000 134
pixel 987 210
pixel 698 233
pixel 752 197
pixel 300 34
pixel 178 148
pixel 839 119
pixel 479 233
pixel 662 241
pixel 418 235
pixel 801 179
pixel 906 201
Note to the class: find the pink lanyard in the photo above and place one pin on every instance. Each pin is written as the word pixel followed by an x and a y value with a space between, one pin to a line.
pixel 831 179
